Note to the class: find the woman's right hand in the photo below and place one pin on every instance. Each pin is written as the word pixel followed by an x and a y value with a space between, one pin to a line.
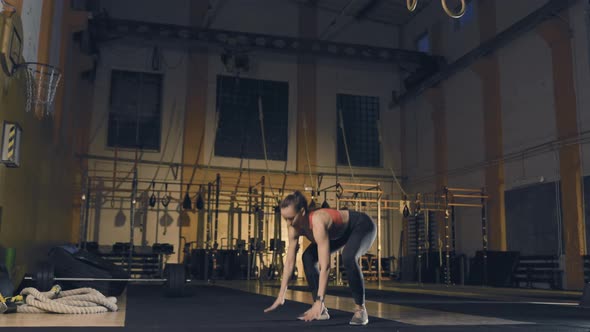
pixel 278 302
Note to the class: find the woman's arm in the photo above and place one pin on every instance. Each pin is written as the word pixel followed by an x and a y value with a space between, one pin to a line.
pixel 287 269
pixel 320 235
pixel 289 261
pixel 320 224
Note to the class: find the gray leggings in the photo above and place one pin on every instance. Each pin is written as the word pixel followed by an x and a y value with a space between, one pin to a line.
pixel 357 239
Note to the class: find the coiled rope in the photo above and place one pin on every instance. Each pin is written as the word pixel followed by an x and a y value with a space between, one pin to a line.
pixel 75 301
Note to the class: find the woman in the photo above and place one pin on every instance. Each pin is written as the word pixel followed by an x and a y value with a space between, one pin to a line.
pixel 328 230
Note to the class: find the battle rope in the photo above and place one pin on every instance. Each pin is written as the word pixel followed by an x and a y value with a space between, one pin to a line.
pixel 76 301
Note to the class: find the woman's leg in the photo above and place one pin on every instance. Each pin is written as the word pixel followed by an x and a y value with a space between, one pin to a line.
pixel 360 240
pixel 310 262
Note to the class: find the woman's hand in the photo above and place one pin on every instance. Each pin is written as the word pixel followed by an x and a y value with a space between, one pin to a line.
pixel 278 302
pixel 314 312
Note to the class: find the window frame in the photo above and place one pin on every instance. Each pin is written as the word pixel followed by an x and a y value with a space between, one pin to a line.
pixel 138 116
pixel 275 92
pixel 379 163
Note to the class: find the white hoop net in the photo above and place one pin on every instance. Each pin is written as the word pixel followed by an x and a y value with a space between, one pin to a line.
pixel 42 81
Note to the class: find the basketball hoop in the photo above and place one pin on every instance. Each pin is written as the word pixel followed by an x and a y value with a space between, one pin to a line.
pixel 42 81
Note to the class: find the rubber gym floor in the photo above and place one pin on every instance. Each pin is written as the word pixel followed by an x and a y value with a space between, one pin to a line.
pixel 226 306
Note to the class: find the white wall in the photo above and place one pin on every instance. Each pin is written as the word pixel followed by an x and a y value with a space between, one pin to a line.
pixel 579 17
pixel 526 87
pixel 465 147
pixel 31 18
pixel 121 57
pixel 57 26
pixel 528 118
pixel 464 129
pixel 464 121
pixel 275 68
pixel 341 77
pixel 420 148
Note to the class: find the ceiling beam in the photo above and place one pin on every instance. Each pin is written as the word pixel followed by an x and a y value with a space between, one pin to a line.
pixel 105 29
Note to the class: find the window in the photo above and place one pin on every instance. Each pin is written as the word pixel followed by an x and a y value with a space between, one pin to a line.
pixel 466 18
pixel 135 116
pixel 423 43
pixel 238 133
pixel 360 115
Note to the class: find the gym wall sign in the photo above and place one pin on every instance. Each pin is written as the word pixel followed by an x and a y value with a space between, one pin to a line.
pixel 11 138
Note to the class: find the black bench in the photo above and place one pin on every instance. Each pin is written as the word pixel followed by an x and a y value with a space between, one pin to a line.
pixel 538 269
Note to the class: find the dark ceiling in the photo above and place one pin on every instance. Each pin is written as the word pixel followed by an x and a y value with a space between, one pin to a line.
pixel 391 12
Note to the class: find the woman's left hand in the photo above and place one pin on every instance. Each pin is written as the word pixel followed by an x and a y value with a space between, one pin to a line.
pixel 314 312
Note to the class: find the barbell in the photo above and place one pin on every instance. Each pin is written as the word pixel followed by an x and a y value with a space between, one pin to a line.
pixel 174 280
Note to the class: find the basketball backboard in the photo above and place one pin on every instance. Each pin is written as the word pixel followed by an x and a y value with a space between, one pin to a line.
pixel 11 40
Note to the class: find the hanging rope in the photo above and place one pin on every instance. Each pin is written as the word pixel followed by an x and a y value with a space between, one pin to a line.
pixel 76 301
pixel 163 151
pixel 261 118
pixel 396 181
pixel 177 124
pixel 239 180
pixel 341 123
pixel 379 135
pixel 114 184
pixel 216 124
pixel 558 205
pixel 307 153
pixel 138 157
pixel 237 187
pixel 212 149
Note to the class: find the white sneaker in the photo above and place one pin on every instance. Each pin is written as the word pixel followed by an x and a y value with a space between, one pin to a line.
pixel 360 317
pixel 323 316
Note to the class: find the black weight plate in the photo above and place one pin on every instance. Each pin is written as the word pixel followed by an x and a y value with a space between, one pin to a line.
pixel 175 280
pixel 44 276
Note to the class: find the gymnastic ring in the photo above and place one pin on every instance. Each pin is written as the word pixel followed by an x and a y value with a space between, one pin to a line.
pixel 412 4
pixel 449 12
